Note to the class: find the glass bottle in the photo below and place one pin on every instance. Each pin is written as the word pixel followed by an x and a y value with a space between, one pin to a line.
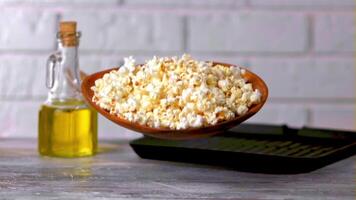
pixel 67 126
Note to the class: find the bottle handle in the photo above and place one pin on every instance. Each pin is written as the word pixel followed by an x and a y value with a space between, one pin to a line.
pixel 50 69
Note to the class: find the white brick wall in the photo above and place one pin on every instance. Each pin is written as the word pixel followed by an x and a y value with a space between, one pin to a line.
pixel 22 29
pixel 303 49
pixel 243 32
pixel 80 3
pixel 282 113
pixel 333 116
pixel 201 3
pixel 332 33
pixel 105 31
pixel 23 76
pixel 304 3
pixel 307 78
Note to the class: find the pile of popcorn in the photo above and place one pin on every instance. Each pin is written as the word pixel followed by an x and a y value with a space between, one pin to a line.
pixel 175 93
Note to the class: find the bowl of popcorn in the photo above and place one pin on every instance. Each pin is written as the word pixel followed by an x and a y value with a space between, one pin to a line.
pixel 176 98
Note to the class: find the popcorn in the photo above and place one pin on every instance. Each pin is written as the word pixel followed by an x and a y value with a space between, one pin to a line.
pixel 242 109
pixel 130 64
pixel 255 96
pixel 175 93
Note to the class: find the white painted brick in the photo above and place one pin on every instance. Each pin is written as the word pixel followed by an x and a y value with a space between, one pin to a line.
pixel 22 29
pixel 94 63
pixel 289 114
pixel 334 116
pixel 86 2
pixel 331 116
pixel 174 3
pixel 334 33
pixel 24 76
pixel 306 3
pixel 61 2
pixel 108 30
pixel 248 32
pixel 234 60
pixel 307 78
pixel 20 119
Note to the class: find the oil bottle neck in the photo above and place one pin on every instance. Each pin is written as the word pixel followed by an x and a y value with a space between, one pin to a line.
pixel 63 73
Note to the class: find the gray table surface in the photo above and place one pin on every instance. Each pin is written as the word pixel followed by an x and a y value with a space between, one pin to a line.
pixel 117 173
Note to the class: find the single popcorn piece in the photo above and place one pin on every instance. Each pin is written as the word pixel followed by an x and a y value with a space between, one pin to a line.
pixel 175 93
pixel 129 64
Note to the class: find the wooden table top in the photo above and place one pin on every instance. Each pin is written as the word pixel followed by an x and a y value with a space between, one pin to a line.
pixel 117 173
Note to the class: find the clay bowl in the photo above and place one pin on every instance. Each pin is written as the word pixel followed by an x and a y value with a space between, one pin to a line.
pixel 165 133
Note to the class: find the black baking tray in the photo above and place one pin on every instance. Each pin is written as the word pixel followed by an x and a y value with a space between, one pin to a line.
pixel 256 148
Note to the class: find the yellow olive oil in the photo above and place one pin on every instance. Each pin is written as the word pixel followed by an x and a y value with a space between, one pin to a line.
pixel 67 129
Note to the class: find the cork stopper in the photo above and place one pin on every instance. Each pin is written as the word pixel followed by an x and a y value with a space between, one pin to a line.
pixel 68 33
pixel 68 27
